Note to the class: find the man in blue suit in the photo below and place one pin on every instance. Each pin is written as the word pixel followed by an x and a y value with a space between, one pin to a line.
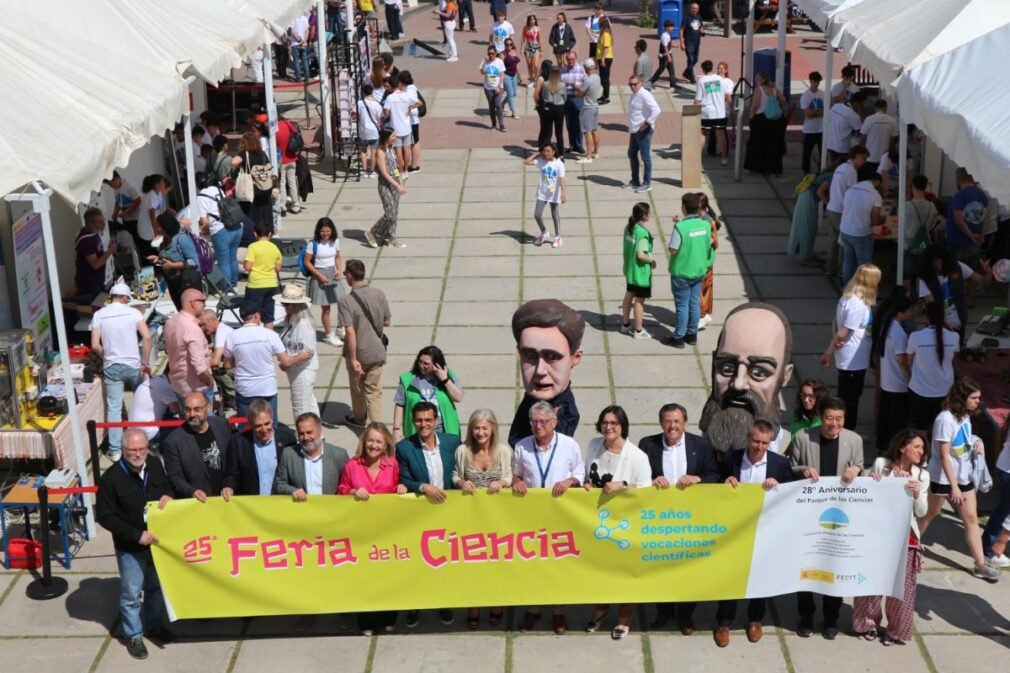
pixel 426 460
pixel 755 465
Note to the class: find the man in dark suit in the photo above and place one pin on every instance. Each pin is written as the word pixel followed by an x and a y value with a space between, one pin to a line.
pixel 756 465
pixel 826 451
pixel 426 460
pixel 253 455
pixel 680 459
pixel 196 454
pixel 312 467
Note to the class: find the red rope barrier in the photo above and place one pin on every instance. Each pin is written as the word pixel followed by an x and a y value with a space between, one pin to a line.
pixel 73 491
pixel 156 424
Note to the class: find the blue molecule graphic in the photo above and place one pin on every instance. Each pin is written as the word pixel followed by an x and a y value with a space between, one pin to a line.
pixel 605 532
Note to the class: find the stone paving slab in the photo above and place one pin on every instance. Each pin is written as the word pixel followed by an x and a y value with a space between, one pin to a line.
pixel 51 655
pixel 951 654
pixel 576 652
pixel 669 652
pixel 179 657
pixel 89 608
pixel 348 653
pixel 439 653
pixel 849 654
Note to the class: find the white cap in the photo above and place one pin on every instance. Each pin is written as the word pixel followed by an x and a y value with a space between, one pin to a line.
pixel 589 64
pixel 120 290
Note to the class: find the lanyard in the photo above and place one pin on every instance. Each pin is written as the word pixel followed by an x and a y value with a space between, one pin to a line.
pixel 536 454
pixel 147 474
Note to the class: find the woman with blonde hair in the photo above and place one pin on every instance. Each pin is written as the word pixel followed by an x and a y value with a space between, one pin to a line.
pixel 851 343
pixel 482 461
pixel 250 153
pixel 550 96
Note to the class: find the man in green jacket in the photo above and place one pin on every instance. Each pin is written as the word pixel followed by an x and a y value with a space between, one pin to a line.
pixel 691 256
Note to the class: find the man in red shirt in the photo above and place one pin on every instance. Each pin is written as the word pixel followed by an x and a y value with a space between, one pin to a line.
pixel 289 176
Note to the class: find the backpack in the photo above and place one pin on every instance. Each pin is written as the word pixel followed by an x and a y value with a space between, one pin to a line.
pixel 423 110
pixel 204 253
pixel 772 108
pixel 301 258
pixel 295 141
pixel 229 212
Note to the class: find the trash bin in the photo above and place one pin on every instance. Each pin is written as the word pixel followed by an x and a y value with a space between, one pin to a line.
pixel 672 10
pixel 765 61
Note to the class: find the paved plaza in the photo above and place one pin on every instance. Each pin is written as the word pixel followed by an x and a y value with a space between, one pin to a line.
pixel 467 220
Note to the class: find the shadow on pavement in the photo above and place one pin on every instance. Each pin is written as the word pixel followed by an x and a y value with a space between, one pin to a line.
pixel 518 236
pixel 962 610
pixel 95 600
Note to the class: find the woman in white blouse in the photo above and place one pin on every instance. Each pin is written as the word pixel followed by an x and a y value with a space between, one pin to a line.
pixel 615 464
pixel 905 459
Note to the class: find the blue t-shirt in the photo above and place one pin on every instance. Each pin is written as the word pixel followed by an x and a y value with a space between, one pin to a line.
pixel 690 31
pixel 974 203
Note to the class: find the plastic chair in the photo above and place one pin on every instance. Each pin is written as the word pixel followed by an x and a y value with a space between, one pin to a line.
pixel 227 298
pixel 290 249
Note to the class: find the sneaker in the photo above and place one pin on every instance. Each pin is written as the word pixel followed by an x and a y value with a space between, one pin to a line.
pixel 502 129
pixel 413 617
pixel 999 561
pixel 641 334
pixel 135 646
pixel 705 320
pixel 626 328
pixel 368 633
pixel 395 243
pixel 585 160
pixel 414 169
pixel 645 187
pixel 340 332
pixel 674 341
pixel 631 185
pixel 350 420
pixel 724 162
pixel 446 616
pixel 333 340
pixel 530 85
pixel 370 237
pixel 451 59
pixel 987 572
pixel 830 632
pixel 114 455
pixel 539 240
pixel 558 242
pixel 690 339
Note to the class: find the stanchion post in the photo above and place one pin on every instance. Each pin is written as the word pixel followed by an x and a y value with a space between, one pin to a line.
pixel 234 110
pixel 95 456
pixel 45 587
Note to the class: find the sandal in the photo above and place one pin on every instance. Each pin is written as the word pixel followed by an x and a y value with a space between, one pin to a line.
pixel 870 635
pixel 620 631
pixel 595 622
pixel 886 639
pixel 473 619
pixel 494 619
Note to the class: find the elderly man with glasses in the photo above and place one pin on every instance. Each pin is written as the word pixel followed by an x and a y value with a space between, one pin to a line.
pixel 643 111
pixel 188 350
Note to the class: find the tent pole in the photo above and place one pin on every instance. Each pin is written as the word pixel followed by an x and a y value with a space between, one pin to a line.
pixel 747 74
pixel 828 58
pixel 194 205
pixel 268 90
pixel 902 179
pixel 324 80
pixel 780 48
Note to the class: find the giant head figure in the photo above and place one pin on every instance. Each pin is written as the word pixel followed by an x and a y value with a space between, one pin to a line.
pixel 548 337
pixel 750 365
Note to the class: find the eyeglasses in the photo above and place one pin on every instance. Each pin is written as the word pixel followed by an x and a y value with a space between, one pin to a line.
pixel 542 421
pixel 607 424
pixel 807 396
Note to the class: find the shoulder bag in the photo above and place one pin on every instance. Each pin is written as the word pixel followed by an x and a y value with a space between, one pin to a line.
pixel 371 320
pixel 244 183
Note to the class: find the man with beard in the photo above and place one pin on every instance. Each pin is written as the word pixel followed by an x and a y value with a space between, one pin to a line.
pixel 196 454
pixel 548 337
pixel 679 459
pixel 750 365
pixel 312 467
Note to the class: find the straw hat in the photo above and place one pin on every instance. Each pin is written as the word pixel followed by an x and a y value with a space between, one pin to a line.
pixel 292 294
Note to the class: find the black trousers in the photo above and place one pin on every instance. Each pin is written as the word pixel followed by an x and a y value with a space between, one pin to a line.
pixel 667 65
pixel 892 416
pixel 922 411
pixel 850 388
pixel 552 117
pixel 810 141
pixel 605 65
pixel 726 612
pixel 684 611
pixel 281 58
pixel 466 12
pixel 831 605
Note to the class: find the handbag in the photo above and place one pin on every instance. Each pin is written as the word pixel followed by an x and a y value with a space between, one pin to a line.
pixel 980 471
pixel 262 175
pixel 772 108
pixel 371 321
pixel 244 191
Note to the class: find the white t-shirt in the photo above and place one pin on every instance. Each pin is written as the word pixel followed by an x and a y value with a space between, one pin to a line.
pixel 551 174
pixel 958 433
pixel 397 105
pixel 208 206
pixel 857 206
pixel 117 324
pixel 837 87
pixel 1003 460
pixel 593 26
pixel 253 348
pixel 892 379
pixel 813 100
pixel 493 73
pixel 843 178
pixel 949 307
pixel 854 315
pixel 221 334
pixel 301 337
pixel 369 114
pixel 843 121
pixel 150 401
pixel 415 116
pixel 325 256
pixel 879 128
pixel 712 96
pixel 125 195
pixel 149 200
pixel 501 32
pixel 664 40
pixel 929 377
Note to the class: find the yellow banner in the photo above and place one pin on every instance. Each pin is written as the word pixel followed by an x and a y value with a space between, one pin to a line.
pixel 270 555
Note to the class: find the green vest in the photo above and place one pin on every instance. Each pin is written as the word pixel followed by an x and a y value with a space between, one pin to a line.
pixel 446 407
pixel 694 256
pixel 635 272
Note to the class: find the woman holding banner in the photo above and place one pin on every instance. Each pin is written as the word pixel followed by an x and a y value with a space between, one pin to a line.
pixel 615 464
pixel 482 462
pixel 373 470
pixel 905 459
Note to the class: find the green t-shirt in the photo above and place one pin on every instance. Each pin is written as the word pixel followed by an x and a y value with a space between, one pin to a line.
pixel 692 239
pixel 638 240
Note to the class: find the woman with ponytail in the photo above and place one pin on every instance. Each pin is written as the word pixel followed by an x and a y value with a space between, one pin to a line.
pixel 931 363
pixel 638 266
pixel 890 343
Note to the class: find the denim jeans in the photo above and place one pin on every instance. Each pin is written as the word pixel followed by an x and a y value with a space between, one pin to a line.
pixel 300 55
pixel 117 377
pixel 641 142
pixel 995 525
pixel 242 404
pixel 140 598
pixel 573 108
pixel 856 250
pixel 226 244
pixel 511 84
pixel 687 300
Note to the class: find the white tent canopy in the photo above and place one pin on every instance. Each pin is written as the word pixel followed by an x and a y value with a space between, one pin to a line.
pixel 277 14
pixel 889 37
pixel 821 11
pixel 960 100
